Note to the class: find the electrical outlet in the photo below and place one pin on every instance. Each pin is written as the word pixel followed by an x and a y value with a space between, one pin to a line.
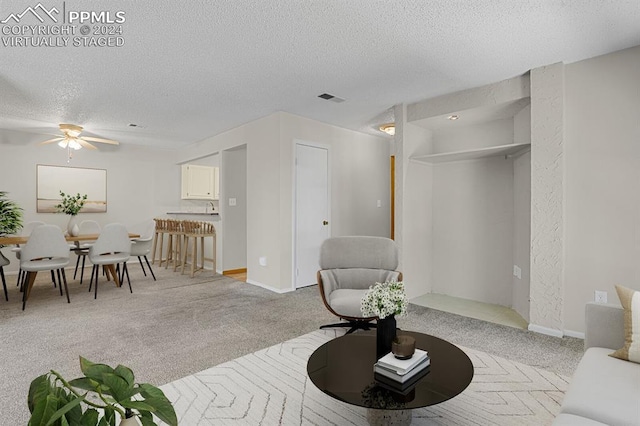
pixel 232 201
pixel 262 261
pixel 517 272
pixel 601 296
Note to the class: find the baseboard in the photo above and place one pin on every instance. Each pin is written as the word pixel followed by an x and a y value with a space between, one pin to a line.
pixel 235 271
pixel 268 287
pixel 545 330
pixel 576 334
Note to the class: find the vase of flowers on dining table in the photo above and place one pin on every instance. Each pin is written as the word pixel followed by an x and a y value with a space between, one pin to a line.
pixel 71 205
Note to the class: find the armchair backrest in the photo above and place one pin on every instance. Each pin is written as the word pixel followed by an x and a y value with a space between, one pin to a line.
pixel 357 262
pixel 359 252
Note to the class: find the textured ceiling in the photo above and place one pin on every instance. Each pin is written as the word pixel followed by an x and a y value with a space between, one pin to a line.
pixel 190 70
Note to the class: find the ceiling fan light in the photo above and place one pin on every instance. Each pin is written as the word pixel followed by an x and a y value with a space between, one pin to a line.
pixel 62 144
pixel 73 144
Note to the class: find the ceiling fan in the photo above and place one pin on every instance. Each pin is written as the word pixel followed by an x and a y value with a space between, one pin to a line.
pixel 71 139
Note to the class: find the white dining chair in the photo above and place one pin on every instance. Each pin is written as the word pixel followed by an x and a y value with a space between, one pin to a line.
pixel 112 247
pixel 46 250
pixel 26 231
pixel 82 250
pixel 4 262
pixel 141 247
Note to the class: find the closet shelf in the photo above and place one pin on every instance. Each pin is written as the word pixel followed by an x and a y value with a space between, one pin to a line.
pixel 471 154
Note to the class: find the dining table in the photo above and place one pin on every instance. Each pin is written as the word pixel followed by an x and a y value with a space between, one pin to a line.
pixel 77 239
pixel 22 239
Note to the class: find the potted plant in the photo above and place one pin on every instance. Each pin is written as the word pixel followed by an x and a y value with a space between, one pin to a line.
pixel 97 399
pixel 385 301
pixel 10 219
pixel 71 205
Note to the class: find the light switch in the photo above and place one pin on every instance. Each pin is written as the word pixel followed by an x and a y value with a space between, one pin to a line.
pixel 379 203
pixel 232 201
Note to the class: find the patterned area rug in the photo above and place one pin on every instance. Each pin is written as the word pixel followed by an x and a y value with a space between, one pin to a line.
pixel 271 387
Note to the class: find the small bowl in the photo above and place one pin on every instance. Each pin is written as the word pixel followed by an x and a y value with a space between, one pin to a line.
pixel 403 347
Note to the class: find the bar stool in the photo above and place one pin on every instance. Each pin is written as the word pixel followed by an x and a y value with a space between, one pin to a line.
pixel 198 230
pixel 161 229
pixel 174 229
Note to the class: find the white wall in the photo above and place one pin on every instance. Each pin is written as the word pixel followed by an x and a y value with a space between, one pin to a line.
pixel 360 177
pixel 141 183
pixel 602 161
pixel 522 214
pixel 521 233
pixel 234 180
pixel 473 215
pixel 414 191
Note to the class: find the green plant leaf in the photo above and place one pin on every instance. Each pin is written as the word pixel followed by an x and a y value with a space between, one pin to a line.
pixel 85 383
pixel 38 390
pixel 150 391
pixel 140 406
pixel 94 371
pixel 163 410
pixel 90 417
pixel 110 416
pixel 126 374
pixel 43 410
pixel 147 421
pixel 62 411
pixel 118 387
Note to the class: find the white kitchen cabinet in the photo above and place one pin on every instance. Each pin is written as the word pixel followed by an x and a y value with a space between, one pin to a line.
pixel 200 182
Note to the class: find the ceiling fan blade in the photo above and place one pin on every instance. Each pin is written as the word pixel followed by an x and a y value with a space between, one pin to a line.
pixel 101 140
pixel 85 144
pixel 50 141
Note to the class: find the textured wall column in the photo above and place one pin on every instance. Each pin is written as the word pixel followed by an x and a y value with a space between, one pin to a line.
pixel 547 194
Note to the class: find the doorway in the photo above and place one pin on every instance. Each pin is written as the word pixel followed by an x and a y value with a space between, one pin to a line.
pixel 311 213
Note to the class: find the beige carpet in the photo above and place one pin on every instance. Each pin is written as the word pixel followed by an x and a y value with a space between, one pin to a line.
pixel 178 326
pixel 271 387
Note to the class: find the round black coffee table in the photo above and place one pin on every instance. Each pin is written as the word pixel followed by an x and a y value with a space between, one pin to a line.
pixel 343 369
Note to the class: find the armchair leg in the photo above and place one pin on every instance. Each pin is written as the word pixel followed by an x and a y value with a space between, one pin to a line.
pixel 353 325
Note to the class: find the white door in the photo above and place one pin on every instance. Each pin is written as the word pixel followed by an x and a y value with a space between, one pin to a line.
pixel 311 211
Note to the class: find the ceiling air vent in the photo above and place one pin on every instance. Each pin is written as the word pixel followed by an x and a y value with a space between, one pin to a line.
pixel 332 98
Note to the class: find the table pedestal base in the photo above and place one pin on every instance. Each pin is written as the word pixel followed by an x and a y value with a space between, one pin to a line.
pixel 389 417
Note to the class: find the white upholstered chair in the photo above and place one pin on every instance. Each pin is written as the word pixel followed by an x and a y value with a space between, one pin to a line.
pixel 141 247
pixel 26 231
pixel 349 267
pixel 86 227
pixel 112 247
pixel 46 250
pixel 4 262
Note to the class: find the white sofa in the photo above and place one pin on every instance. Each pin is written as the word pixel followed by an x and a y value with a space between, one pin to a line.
pixel 603 390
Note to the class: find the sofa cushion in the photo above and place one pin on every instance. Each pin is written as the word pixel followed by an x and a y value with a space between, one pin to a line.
pixel 630 300
pixel 572 420
pixel 604 389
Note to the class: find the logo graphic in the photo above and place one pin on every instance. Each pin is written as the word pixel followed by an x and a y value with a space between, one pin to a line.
pixel 34 11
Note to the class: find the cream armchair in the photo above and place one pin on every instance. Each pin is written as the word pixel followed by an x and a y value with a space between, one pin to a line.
pixel 349 266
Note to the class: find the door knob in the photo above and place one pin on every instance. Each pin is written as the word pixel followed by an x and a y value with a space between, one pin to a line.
pixel 325 223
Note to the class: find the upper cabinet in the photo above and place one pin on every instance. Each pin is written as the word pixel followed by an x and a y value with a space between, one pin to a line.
pixel 200 182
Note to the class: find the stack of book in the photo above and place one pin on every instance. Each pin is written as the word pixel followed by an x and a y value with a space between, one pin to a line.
pixel 401 374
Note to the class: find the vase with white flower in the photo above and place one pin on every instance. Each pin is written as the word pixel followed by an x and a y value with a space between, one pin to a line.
pixel 71 205
pixel 385 301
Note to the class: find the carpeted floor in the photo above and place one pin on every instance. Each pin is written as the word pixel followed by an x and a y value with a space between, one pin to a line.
pixel 178 326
